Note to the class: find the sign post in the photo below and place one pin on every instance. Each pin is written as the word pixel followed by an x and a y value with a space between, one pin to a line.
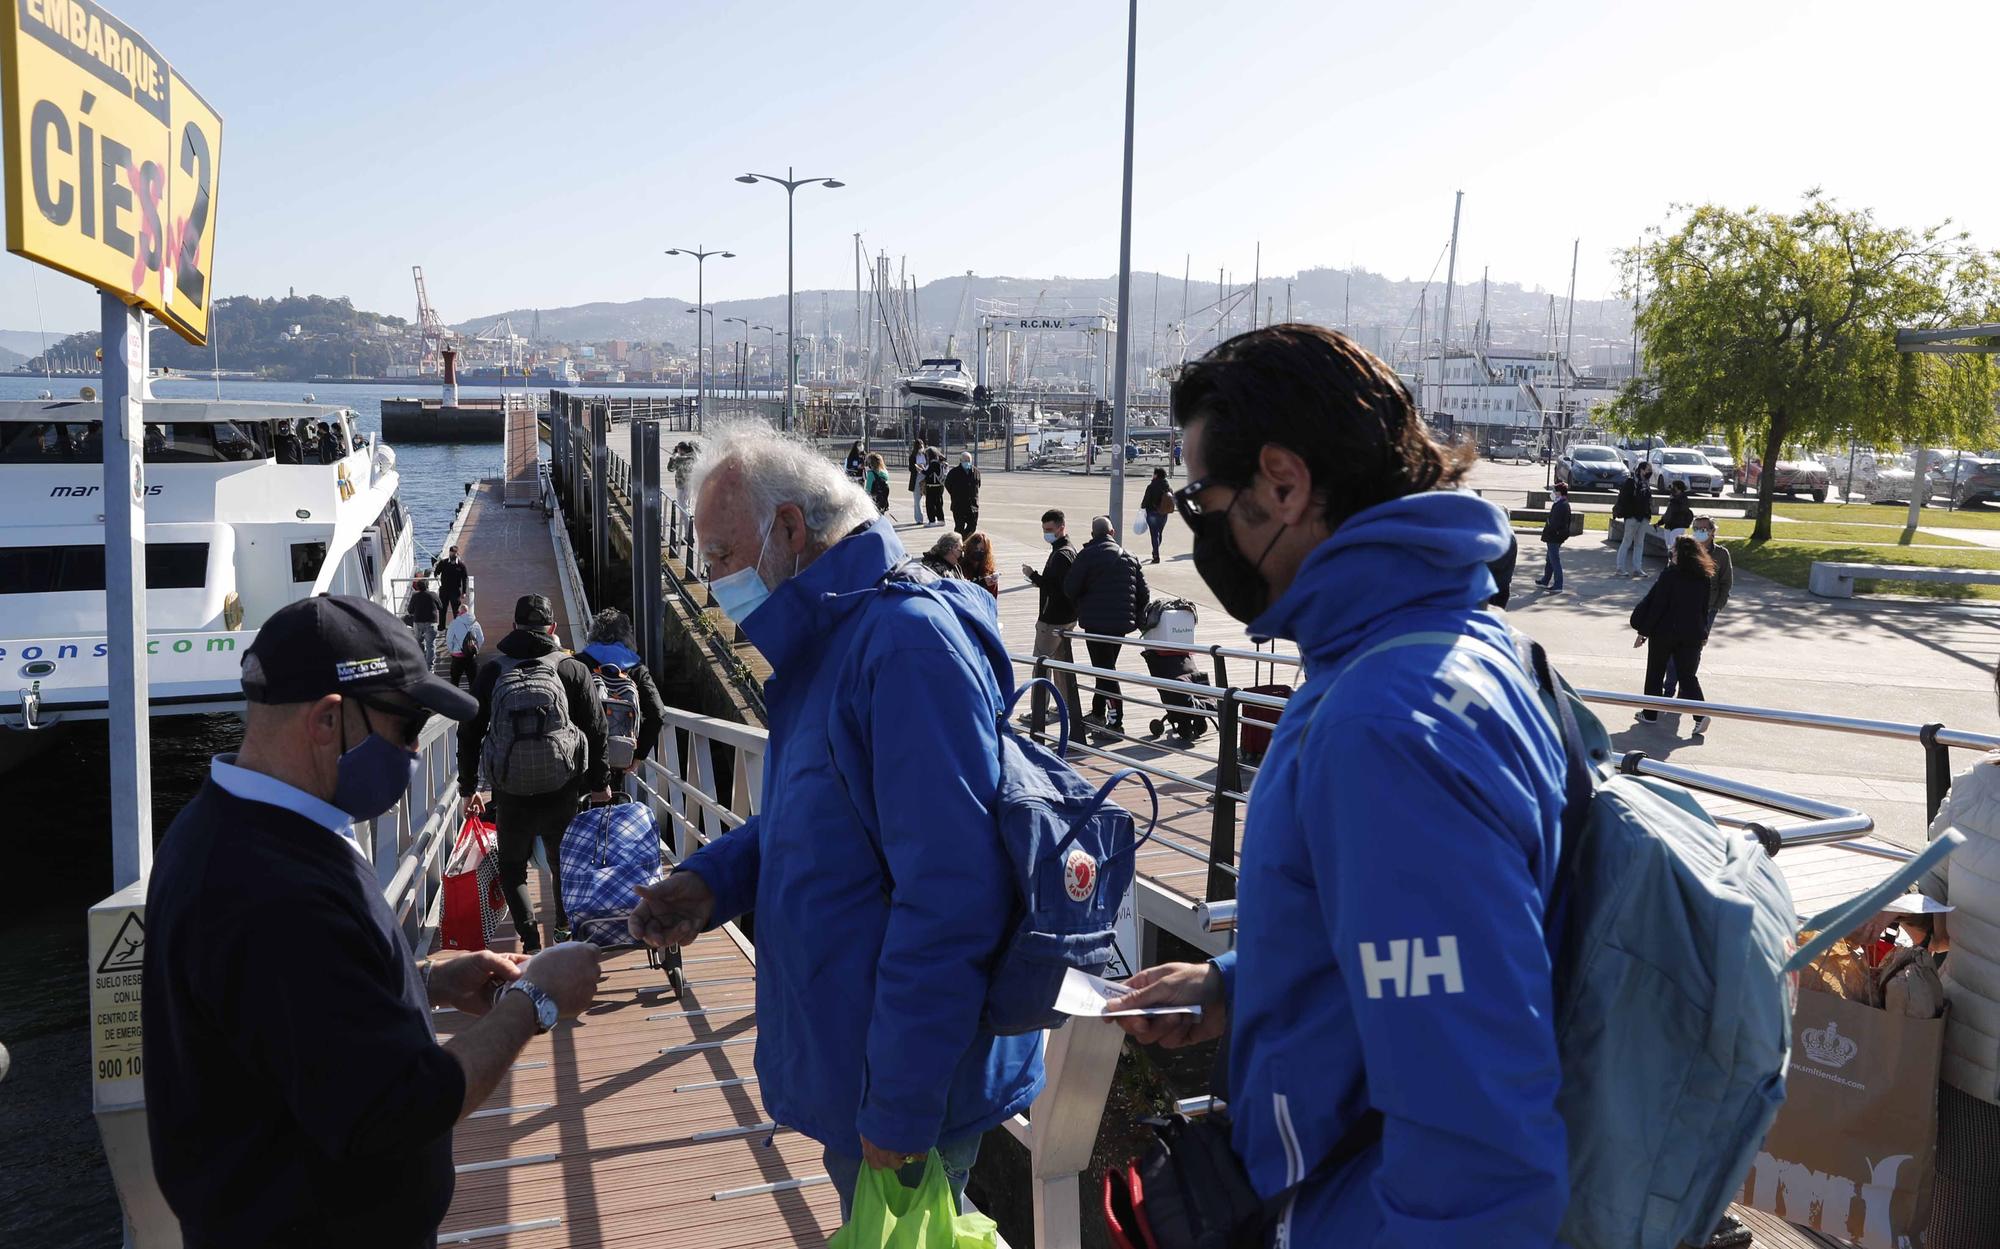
pixel 128 715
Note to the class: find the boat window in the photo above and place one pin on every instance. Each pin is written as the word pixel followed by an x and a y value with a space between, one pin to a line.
pixel 307 559
pixel 65 569
pixel 188 442
pixel 389 526
pixel 50 442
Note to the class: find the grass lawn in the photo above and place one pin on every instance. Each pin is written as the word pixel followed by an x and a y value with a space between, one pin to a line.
pixel 1823 534
pixel 1790 562
pixel 1886 514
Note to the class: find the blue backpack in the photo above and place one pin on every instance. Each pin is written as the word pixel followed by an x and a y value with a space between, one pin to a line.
pixel 1674 952
pixel 1073 851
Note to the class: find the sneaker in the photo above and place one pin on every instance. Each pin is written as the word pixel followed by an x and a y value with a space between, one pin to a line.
pixel 562 935
pixel 1650 716
pixel 1701 725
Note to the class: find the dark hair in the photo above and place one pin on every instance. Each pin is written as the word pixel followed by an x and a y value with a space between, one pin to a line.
pixel 1678 487
pixel 612 625
pixel 1561 487
pixel 1689 557
pixel 1316 393
pixel 1054 516
pixel 1159 472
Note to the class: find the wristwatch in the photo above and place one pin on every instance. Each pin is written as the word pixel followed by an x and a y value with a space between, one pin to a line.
pixel 545 1006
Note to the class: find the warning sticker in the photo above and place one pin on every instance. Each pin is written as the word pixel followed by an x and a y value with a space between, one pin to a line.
pixel 117 957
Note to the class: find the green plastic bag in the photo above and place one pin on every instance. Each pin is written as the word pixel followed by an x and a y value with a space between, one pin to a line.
pixel 888 1216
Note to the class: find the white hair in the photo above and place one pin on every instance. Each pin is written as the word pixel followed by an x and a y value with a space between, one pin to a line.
pixel 778 469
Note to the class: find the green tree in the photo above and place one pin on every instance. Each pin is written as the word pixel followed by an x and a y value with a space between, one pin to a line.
pixel 1779 329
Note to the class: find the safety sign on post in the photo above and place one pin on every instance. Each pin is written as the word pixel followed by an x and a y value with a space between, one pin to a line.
pixel 112 160
pixel 117 946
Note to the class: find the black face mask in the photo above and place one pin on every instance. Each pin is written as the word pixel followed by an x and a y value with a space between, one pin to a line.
pixel 1238 583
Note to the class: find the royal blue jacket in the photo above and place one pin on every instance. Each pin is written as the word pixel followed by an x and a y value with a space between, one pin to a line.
pixel 881 889
pixel 1397 859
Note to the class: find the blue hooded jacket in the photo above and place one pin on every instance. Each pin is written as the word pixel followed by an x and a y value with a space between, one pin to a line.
pixel 1397 859
pixel 884 714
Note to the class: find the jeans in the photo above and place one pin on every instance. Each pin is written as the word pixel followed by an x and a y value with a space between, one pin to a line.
pixel 917 504
pixel 521 820
pixel 1104 702
pixel 1156 524
pixel 1552 577
pixel 427 640
pixel 1685 655
pixel 1671 682
pixel 1632 543
pixel 1051 644
pixel 957 1155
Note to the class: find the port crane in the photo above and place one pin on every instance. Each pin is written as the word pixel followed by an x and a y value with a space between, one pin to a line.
pixel 432 329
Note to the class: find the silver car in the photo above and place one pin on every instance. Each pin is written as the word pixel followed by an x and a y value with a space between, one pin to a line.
pixel 1687 466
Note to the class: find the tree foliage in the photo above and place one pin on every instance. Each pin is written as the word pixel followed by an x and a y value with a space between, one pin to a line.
pixel 334 339
pixel 1778 329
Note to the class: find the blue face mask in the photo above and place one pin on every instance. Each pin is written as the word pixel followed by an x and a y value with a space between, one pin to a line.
pixel 1051 538
pixel 373 776
pixel 743 591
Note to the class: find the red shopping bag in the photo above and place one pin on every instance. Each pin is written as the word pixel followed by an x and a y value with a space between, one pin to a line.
pixel 473 902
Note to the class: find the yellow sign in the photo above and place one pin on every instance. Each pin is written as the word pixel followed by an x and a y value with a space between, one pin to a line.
pixel 117 932
pixel 112 160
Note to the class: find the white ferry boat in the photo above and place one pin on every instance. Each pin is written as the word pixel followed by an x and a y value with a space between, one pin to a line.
pixel 249 506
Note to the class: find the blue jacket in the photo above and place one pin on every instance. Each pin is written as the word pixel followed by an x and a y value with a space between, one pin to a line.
pixel 1397 858
pixel 884 733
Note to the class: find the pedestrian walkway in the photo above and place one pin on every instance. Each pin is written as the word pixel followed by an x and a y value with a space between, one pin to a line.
pixel 509 552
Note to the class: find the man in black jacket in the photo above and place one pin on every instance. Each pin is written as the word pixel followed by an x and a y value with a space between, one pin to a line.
pixel 1057 615
pixel 962 484
pixel 423 615
pixel 1109 589
pixel 1635 508
pixel 451 575
pixel 523 817
pixel 302 1099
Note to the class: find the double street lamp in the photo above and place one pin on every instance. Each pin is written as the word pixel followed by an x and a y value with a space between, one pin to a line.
pixel 701 304
pixel 791 186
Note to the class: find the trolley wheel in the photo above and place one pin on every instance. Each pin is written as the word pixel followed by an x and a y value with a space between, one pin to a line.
pixel 1156 728
pixel 678 979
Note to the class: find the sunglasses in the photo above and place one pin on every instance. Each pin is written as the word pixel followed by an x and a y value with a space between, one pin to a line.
pixel 1189 507
pixel 410 720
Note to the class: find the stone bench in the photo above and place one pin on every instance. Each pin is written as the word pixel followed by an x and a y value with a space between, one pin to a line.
pixel 1834 580
pixel 1656 538
pixel 1539 516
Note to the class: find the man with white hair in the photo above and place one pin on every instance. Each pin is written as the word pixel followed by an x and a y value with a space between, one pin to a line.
pixel 876 870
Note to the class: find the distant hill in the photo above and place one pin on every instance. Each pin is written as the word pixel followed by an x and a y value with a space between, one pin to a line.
pixel 1325 296
pixel 19 345
pixel 290 339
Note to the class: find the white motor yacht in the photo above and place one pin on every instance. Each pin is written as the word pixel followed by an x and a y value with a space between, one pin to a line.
pixel 942 381
pixel 249 506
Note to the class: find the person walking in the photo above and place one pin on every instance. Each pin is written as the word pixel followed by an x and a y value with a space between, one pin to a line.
pixel 613 644
pixel 944 555
pixel 1672 623
pixel 1157 504
pixel 875 866
pixel 962 484
pixel 1719 587
pixel 452 579
pixel 1109 590
pixel 301 1097
pixel 1555 532
pixel 934 485
pixel 681 464
pixel 462 642
pixel 856 461
pixel 424 613
pixel 1678 517
pixel 538 739
pixel 975 563
pixel 920 460
pixel 1635 507
pixel 1965 1205
pixel 1054 619
pixel 875 482
pixel 1407 975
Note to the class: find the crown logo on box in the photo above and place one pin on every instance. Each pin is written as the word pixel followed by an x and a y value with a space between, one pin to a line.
pixel 1827 1047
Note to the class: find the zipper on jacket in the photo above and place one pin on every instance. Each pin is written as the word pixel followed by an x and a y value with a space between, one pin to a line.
pixel 1281 1113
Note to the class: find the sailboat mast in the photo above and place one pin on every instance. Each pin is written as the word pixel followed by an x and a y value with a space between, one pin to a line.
pixel 1256 284
pixel 1450 279
pixel 1569 327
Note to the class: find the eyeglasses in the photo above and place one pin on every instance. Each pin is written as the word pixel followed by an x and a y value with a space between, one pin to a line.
pixel 1189 507
pixel 411 719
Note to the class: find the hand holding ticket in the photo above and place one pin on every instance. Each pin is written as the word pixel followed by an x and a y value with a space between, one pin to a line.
pixel 1087 995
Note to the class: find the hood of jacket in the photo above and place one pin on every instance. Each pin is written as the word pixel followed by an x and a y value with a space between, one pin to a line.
pixel 1420 551
pixel 786 629
pixel 597 654
pixel 527 644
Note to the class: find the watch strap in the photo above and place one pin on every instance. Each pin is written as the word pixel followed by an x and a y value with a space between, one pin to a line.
pixel 541 1003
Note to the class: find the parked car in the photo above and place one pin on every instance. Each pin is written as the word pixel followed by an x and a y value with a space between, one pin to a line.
pixel 1873 477
pixel 1591 466
pixel 1794 477
pixel 1635 450
pixel 1725 463
pixel 1687 466
pixel 1962 478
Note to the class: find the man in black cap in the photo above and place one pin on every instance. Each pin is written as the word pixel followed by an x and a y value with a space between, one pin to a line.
pixel 295 1092
pixel 538 739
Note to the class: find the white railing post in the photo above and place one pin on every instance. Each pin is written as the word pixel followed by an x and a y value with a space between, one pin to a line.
pixel 1081 1057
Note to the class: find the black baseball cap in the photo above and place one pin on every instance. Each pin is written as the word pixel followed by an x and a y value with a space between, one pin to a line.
pixel 339 644
pixel 534 611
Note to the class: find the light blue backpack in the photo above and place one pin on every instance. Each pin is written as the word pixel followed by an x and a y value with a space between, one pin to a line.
pixel 1673 989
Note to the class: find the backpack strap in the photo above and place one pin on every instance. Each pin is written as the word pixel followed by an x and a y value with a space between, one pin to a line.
pixel 1061 706
pixel 1102 796
pixel 1831 925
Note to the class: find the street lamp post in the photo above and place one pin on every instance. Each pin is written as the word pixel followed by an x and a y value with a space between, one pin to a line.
pixel 701 360
pixel 701 302
pixel 774 353
pixel 741 392
pixel 791 186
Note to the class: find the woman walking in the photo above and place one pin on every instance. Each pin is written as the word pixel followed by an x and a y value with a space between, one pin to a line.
pixel 975 563
pixel 1965 1204
pixel 855 461
pixel 1719 587
pixel 918 462
pixel 1671 622
pixel 934 484
pixel 875 482
pixel 1679 516
pixel 1555 532
pixel 1157 504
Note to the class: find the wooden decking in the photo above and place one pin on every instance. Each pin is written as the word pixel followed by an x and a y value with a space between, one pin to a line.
pixel 508 552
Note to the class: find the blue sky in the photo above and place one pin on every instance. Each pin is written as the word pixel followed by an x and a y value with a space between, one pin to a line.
pixel 543 155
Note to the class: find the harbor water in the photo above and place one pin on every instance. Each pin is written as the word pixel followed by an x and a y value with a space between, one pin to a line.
pixel 55 1191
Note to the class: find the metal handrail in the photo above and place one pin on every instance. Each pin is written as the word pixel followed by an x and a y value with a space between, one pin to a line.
pixel 1215 651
